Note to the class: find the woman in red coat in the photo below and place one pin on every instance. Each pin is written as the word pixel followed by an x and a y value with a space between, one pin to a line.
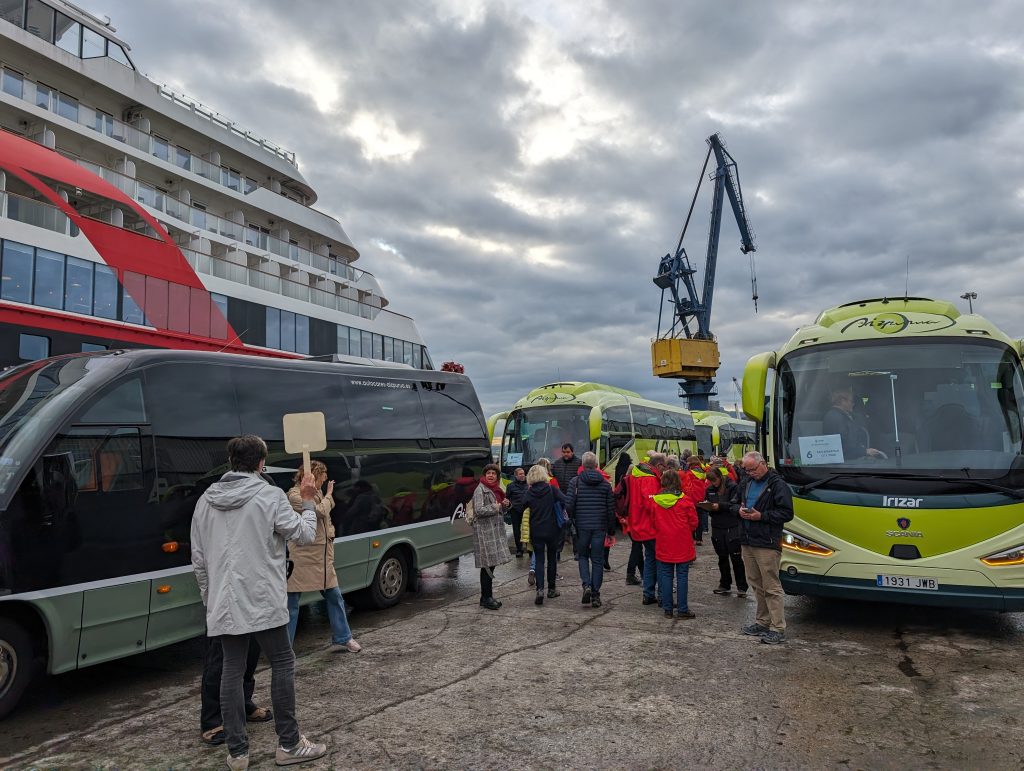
pixel 675 518
pixel 695 482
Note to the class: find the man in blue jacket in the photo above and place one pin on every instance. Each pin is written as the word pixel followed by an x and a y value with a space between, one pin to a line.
pixel 592 506
pixel 766 504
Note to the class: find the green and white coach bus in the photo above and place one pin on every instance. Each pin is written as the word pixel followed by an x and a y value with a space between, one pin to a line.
pixel 103 457
pixel 589 416
pixel 898 425
pixel 719 433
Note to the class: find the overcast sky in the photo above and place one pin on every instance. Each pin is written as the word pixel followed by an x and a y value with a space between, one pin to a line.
pixel 513 172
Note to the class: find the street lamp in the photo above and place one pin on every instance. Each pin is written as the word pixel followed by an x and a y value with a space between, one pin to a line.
pixel 969 296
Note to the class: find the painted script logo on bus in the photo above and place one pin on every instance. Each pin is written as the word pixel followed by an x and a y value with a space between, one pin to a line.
pixel 894 323
pixel 553 397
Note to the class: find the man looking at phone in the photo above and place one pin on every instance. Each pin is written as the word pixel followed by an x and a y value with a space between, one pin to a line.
pixel 766 504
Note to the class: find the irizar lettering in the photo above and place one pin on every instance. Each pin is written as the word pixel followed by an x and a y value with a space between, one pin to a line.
pixel 902 503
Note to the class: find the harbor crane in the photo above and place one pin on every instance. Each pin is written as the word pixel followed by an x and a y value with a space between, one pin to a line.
pixel 687 350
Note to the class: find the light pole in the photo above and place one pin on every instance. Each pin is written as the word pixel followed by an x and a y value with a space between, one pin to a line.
pixel 970 297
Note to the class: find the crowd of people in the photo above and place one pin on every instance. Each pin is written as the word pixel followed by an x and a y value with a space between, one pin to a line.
pixel 256 549
pixel 665 504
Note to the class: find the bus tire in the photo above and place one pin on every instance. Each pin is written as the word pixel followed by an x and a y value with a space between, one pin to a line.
pixel 390 581
pixel 17 664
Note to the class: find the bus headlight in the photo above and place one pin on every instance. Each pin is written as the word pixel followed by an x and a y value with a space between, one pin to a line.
pixel 1014 556
pixel 798 543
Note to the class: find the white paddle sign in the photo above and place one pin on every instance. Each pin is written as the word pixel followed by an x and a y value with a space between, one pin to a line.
pixel 305 432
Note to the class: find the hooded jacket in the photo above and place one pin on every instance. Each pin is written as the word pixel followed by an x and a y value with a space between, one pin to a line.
pixel 591 502
pixel 776 506
pixel 675 519
pixel 643 483
pixel 239 530
pixel 540 499
pixel 728 499
pixel 694 482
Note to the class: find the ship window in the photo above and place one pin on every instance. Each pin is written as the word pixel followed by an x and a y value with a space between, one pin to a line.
pixel 199 215
pixel 49 283
pixel 178 307
pixel 161 148
pixel 156 302
pixel 103 122
pixel 287 331
pixel 115 52
pixel 378 347
pixel 33 347
pixel 367 344
pixel 94 44
pixel 67 107
pixel 133 298
pixel 301 334
pixel 257 236
pixel 90 347
pixel 231 178
pixel 43 96
pixel 219 318
pixel 354 348
pixel 39 20
pixel 17 272
pixel 78 286
pixel 183 158
pixel 13 11
pixel 343 340
pixel 389 349
pixel 14 83
pixel 68 33
pixel 104 302
pixel 273 328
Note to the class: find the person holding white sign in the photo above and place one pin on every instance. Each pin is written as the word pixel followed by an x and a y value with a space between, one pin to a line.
pixel 839 419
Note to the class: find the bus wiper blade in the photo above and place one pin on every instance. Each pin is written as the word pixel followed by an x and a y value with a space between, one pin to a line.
pixel 825 480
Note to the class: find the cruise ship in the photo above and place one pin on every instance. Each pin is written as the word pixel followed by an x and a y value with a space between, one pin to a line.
pixel 132 216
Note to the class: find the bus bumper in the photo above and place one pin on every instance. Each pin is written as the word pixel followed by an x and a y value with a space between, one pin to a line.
pixel 949 596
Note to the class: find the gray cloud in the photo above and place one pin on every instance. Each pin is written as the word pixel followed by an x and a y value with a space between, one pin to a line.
pixel 865 132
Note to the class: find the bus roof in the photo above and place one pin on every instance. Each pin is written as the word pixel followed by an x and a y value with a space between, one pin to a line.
pixel 890 319
pixel 570 393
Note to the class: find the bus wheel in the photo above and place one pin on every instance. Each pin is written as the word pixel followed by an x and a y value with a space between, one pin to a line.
pixel 16 664
pixel 390 580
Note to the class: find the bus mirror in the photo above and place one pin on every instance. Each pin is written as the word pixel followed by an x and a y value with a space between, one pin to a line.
pixel 595 423
pixel 755 376
pixel 493 421
pixel 305 432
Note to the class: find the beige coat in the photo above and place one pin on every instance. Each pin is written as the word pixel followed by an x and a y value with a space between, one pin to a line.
pixel 314 564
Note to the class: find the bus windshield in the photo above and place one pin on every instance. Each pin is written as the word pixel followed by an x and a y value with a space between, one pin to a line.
pixel 937 408
pixel 540 432
pixel 34 399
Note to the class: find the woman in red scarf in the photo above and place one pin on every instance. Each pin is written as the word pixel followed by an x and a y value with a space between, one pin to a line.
pixel 490 544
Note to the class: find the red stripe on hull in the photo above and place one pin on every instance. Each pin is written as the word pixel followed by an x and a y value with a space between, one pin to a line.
pixel 121 333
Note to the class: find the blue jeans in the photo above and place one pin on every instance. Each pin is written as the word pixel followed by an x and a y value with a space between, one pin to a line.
pixel 340 632
pixel 590 548
pixel 650 569
pixel 682 576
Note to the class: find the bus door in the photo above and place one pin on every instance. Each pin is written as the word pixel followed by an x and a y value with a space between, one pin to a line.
pixel 705 441
pixel 100 477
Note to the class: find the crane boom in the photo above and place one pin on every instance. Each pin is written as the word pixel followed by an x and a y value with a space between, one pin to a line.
pixel 685 353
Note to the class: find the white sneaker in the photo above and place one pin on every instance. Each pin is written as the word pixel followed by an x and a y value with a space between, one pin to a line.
pixel 238 764
pixel 350 647
pixel 304 751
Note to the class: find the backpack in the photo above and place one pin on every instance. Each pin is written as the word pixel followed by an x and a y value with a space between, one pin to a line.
pixel 470 513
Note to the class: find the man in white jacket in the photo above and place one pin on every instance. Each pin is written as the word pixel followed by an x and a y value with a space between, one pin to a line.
pixel 240 530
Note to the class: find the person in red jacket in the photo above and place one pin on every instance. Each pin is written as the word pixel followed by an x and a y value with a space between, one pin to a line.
pixel 695 482
pixel 645 481
pixel 675 517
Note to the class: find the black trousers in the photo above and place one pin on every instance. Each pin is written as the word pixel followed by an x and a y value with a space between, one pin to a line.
pixel 636 558
pixel 727 547
pixel 213 666
pixel 517 529
pixel 486 583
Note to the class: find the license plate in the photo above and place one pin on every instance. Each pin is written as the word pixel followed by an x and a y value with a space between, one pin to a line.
pixel 907 582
